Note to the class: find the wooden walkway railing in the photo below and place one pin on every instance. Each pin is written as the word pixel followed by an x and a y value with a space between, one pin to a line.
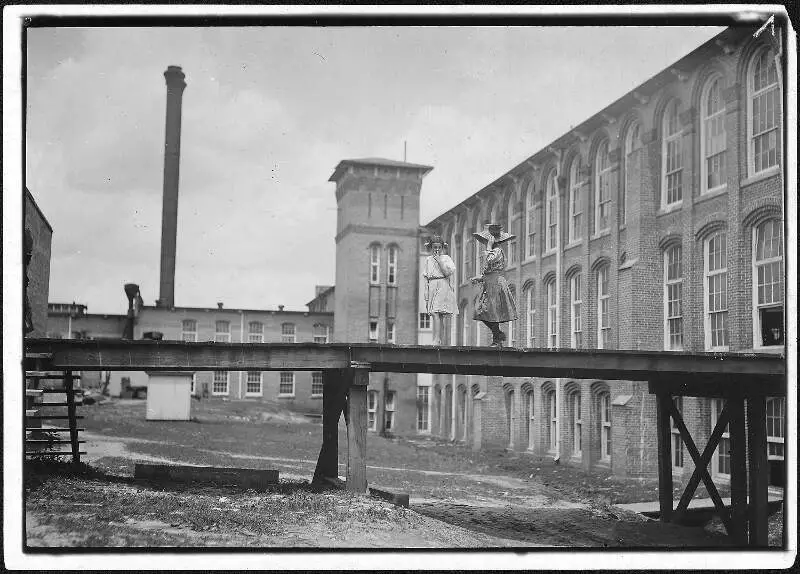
pixel 741 379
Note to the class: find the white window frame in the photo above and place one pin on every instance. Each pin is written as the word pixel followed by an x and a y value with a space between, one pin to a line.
pixel 193 389
pixel 778 111
pixel 633 143
pixel 224 335
pixel 677 448
pixel 321 338
pixel 723 443
pixel 281 382
pixel 391 332
pixel 477 253
pixel 756 264
pixel 390 410
pixel 575 221
pixel 189 335
pixel 255 332
pixel 372 410
pixel 530 304
pixel 462 313
pixel 215 382
pixel 424 322
pixel 552 408
pixel 551 213
pixel 288 333
pixel 530 228
pixel 552 314
pixel 605 426
pixel 710 122
pixel 677 284
pixel 373 331
pixel 707 276
pixel 575 309
pixel 248 382
pixel 317 388
pixel 466 238
pixel 513 254
pixel 603 308
pixel 577 424
pixel 391 267
pixel 774 438
pixel 375 265
pixel 424 410
pixel 602 181
pixel 669 137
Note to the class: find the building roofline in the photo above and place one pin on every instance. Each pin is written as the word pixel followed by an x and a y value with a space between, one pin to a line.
pixel 38 209
pixel 376 161
pixel 234 310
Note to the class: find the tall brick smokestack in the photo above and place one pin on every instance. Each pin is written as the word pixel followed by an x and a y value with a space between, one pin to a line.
pixel 172 159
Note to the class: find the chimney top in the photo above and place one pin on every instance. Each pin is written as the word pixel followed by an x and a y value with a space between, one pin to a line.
pixel 175 76
pixel 280 307
pixel 219 304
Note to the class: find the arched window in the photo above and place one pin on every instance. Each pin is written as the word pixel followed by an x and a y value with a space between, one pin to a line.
pixel 552 313
pixel 511 227
pixel 671 157
pixel 633 143
pixel 764 112
pixel 530 237
pixel 576 303
pixel 575 200
pixel 255 332
pixel 552 212
pixel 529 419
pixel 374 264
pixel 530 296
pixel 602 189
pixel 603 315
pixel 510 416
pixel 713 144
pixel 477 259
pixel 552 427
pixel 716 291
pixel 768 284
pixel 466 253
pixel 605 426
pixel 673 298
pixel 391 268
pixel 577 422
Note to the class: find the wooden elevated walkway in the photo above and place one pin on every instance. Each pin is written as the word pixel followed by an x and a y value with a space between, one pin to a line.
pixel 742 379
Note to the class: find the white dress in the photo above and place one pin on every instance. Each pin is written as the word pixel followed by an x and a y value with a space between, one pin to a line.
pixel 440 296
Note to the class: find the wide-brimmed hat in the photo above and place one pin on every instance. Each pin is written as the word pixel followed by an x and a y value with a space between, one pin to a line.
pixel 494 230
pixel 436 239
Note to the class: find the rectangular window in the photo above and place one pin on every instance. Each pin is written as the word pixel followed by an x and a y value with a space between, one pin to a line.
pixel 672 157
pixel 716 321
pixel 677 442
pixel 466 252
pixel 390 332
pixel 530 294
pixel 552 213
pixel 776 427
pixel 391 272
pixel 575 202
pixel 768 284
pixel 256 332
pixel 423 406
pixel 552 315
pixel 603 190
pixel 321 333
pixel 577 423
pixel 765 110
pixel 531 236
pixel 575 318
pixel 254 383
pixel 189 330
pixel 673 298
pixel 317 385
pixel 288 333
pixel 373 331
pixel 424 321
pixel 222 332
pixel 375 265
pixel 605 427
pixel 372 410
pixel 286 386
pixel 390 407
pixel 714 137
pixel 603 302
pixel 553 427
pixel 220 385
pixel 721 461
pixel 193 390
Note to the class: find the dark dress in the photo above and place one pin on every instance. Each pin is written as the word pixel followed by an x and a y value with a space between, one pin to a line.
pixel 494 302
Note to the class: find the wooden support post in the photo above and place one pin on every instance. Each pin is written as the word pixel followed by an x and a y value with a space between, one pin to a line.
pixel 334 397
pixel 73 421
pixel 358 378
pixel 759 471
pixel 663 402
pixel 738 470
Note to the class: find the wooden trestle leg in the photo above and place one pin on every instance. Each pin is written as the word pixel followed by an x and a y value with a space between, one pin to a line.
pixel 759 471
pixel 358 377
pixel 664 456
pixel 334 398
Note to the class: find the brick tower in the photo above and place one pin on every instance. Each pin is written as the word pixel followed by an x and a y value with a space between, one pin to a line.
pixel 376 273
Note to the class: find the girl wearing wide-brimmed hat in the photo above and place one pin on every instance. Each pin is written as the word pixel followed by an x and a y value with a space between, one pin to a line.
pixel 440 297
pixel 494 303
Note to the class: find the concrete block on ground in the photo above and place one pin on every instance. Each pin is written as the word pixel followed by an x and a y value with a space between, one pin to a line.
pixel 242 477
pixel 396 499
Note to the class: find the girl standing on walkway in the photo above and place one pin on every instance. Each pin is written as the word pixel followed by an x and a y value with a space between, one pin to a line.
pixel 440 297
pixel 494 303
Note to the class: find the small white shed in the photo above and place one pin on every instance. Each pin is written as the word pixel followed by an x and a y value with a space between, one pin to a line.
pixel 169 396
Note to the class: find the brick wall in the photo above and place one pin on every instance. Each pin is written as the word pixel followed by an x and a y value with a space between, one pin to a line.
pixel 39 266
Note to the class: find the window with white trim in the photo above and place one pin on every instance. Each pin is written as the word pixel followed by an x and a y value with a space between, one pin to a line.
pixel 193 390
pixel 286 385
pixel 602 190
pixel 716 291
pixel 673 298
pixel 605 427
pixel 321 333
pixel 576 304
pixel 254 380
pixel 552 314
pixel 466 252
pixel 776 427
pixel 373 331
pixel 390 407
pixel 764 112
pixel 220 384
pixel 511 228
pixel 671 157
pixel 222 331
pixel 713 138
pixel 477 259
pixel 575 201
pixel 551 212
pixel 530 419
pixel 530 295
pixel 424 322
pixel 288 333
pixel 768 284
pixel 552 428
pixel 372 410
pixel 462 317
pixel 374 265
pixel 512 325
pixel 633 142
pixel 390 332
pixel 721 459
pixel 603 315
pixel 189 330
pixel 530 231
pixel 677 441
pixel 577 423
pixel 317 384
pixel 391 268
pixel 255 333
pixel 423 408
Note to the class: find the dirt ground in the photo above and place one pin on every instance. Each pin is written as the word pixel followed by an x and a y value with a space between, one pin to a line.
pixel 458 498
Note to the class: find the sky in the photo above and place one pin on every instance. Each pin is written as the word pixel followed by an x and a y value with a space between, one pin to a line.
pixel 268 113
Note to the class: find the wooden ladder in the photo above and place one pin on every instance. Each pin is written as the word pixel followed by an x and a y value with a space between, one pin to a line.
pixel 39 440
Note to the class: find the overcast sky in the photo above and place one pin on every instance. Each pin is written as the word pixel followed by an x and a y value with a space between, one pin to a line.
pixel 267 115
